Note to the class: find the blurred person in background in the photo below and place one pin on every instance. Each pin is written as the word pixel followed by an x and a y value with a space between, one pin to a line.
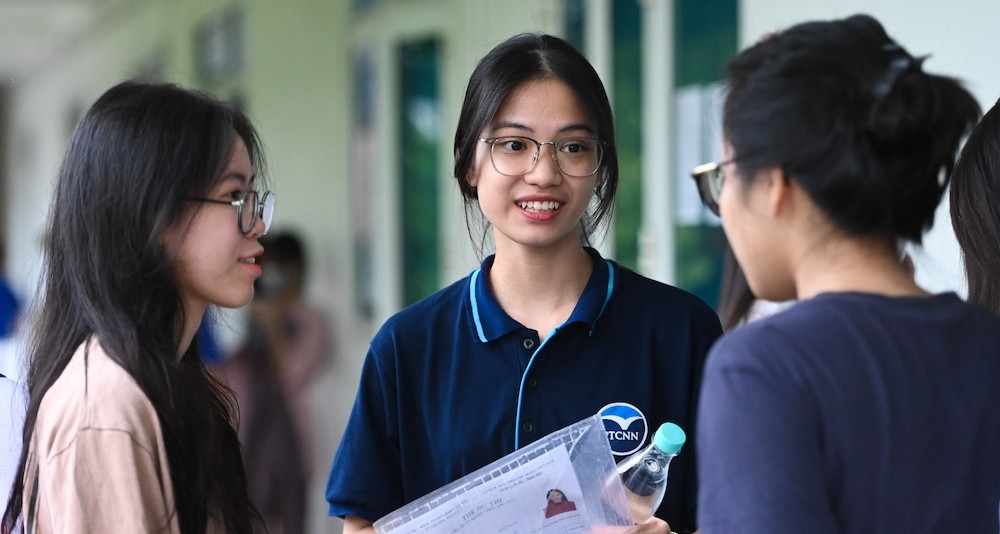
pixel 10 305
pixel 12 403
pixel 10 314
pixel 211 351
pixel 286 346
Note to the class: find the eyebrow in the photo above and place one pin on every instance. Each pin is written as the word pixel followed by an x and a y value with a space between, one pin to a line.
pixel 565 129
pixel 239 176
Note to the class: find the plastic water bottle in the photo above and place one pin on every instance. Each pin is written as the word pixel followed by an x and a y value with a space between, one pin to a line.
pixel 644 473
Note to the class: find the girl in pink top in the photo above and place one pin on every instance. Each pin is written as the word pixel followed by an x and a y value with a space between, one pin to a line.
pixel 157 214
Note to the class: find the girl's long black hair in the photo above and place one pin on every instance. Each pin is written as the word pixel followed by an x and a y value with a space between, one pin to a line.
pixel 975 210
pixel 134 157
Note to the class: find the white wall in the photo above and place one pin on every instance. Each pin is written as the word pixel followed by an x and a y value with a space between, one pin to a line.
pixel 45 101
pixel 962 41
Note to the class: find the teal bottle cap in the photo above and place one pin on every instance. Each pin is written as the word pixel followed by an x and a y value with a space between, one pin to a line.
pixel 669 438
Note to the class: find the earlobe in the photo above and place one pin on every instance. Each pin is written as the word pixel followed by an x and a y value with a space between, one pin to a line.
pixel 779 190
pixel 472 175
pixel 168 241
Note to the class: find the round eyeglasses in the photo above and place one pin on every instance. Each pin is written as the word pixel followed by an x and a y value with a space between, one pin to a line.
pixel 518 155
pixel 709 177
pixel 247 218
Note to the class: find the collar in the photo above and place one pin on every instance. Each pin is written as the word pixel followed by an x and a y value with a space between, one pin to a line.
pixel 490 321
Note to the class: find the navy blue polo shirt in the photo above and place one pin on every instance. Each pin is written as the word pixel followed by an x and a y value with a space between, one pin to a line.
pixel 453 383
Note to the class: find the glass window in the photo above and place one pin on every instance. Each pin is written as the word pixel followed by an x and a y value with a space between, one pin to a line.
pixel 705 39
pixel 627 104
pixel 420 138
pixel 574 12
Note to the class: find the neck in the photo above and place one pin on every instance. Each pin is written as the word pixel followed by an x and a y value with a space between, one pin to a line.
pixel 856 264
pixel 540 289
pixel 193 316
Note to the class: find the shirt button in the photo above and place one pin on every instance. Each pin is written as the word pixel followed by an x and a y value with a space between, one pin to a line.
pixel 532 382
pixel 528 427
pixel 528 343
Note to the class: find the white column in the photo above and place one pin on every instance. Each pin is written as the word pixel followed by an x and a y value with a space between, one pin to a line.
pixel 599 41
pixel 656 233
pixel 597 36
pixel 387 256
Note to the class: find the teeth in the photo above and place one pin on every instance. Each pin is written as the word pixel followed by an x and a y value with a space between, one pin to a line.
pixel 536 205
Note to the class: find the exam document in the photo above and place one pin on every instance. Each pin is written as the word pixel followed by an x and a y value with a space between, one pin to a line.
pixel 565 482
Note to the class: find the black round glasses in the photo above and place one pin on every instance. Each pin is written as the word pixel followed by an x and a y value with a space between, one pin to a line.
pixel 709 177
pixel 247 218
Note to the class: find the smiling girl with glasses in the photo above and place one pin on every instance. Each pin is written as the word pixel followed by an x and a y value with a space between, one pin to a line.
pixel 546 332
pixel 126 430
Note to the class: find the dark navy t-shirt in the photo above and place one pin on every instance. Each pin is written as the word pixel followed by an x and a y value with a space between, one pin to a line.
pixel 452 382
pixel 854 412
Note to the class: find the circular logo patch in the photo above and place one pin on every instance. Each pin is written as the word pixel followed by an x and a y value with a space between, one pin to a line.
pixel 626 427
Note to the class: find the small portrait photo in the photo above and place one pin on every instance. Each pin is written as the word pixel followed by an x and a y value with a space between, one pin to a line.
pixel 557 503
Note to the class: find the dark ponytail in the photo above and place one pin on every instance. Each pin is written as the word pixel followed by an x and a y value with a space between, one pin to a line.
pixel 915 129
pixel 853 118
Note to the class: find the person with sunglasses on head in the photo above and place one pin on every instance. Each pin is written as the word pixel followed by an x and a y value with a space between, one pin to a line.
pixel 871 405
pixel 546 332
pixel 156 215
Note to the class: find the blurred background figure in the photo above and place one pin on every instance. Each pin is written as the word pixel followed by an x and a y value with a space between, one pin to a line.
pixel 285 346
pixel 11 395
pixel 10 305
pixel 975 210
pixel 12 403
pixel 211 351
pixel 10 310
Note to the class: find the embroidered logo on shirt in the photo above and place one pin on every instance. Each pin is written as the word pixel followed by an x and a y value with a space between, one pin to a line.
pixel 626 427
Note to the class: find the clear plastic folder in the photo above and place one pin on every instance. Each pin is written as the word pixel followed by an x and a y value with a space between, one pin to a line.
pixel 514 495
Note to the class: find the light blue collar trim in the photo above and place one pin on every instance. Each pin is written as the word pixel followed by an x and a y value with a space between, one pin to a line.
pixel 475 305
